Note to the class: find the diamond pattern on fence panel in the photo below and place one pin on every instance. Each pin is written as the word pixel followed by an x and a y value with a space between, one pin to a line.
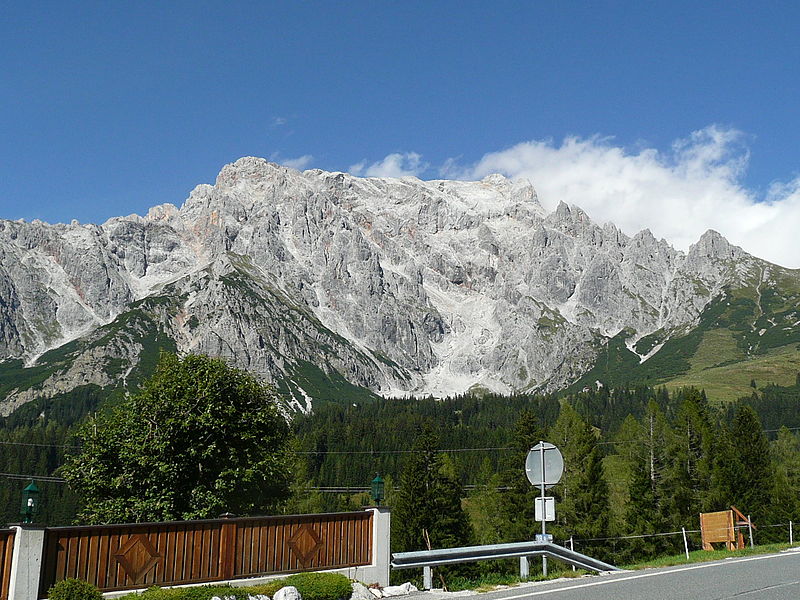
pixel 303 543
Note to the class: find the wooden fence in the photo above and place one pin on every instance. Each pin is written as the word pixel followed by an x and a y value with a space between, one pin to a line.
pixel 118 557
pixel 6 552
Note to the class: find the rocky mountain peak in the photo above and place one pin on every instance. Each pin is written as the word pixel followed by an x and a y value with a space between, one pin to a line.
pixel 713 245
pixel 399 285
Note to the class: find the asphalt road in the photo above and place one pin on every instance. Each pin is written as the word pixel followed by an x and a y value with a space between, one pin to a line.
pixel 763 577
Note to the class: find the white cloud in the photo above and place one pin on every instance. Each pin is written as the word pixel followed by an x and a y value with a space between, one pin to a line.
pixel 678 195
pixel 299 163
pixel 396 164
pixel 357 169
pixel 278 121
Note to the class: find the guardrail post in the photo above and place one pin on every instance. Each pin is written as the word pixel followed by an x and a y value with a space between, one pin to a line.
pixel 427 578
pixel 26 562
pixel 381 542
pixel 524 567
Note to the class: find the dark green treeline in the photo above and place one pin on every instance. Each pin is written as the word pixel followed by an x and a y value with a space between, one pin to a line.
pixel 639 460
pixel 33 441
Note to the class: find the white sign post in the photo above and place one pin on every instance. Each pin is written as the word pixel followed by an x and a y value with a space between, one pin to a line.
pixel 544 467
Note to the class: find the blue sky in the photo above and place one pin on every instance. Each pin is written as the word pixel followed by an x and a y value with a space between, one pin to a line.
pixel 108 108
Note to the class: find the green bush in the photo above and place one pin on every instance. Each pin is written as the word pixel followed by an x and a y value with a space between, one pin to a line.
pixel 74 589
pixel 312 586
pixel 205 592
pixel 208 592
pixel 157 593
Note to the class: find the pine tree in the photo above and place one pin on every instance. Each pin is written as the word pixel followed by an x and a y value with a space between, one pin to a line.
pixel 427 507
pixel 691 453
pixel 786 454
pixel 755 472
pixel 484 507
pixel 517 503
pixel 583 507
pixel 650 499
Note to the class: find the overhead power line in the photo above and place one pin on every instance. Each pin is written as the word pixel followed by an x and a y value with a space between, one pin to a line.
pixel 358 490
pixel 46 478
pixel 399 451
pixel 39 445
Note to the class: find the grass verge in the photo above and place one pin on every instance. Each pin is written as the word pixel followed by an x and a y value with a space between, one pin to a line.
pixel 491 581
pixel 699 556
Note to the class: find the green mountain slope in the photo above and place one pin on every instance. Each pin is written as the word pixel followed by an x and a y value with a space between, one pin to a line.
pixel 114 358
pixel 751 333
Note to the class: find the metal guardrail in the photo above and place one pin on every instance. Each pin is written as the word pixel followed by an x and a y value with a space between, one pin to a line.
pixel 449 556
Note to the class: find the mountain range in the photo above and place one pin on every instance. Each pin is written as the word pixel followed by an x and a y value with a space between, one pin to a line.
pixel 335 286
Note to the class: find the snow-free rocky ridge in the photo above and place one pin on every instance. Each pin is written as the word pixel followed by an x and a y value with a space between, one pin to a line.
pixel 397 285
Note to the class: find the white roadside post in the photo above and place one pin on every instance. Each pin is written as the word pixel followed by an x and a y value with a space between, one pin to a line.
pixel 685 543
pixel 572 547
pixel 427 578
pixel 524 567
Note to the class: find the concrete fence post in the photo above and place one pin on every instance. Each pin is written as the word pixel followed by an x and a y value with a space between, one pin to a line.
pixel 26 562
pixel 381 542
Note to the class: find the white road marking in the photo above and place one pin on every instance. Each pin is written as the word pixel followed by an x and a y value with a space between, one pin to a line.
pixel 613 579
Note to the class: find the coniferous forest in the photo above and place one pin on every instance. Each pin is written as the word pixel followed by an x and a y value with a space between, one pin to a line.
pixel 637 462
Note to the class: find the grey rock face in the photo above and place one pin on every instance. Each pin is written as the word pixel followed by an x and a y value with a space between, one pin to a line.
pixel 399 285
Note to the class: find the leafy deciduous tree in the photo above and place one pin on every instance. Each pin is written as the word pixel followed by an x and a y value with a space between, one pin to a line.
pixel 200 438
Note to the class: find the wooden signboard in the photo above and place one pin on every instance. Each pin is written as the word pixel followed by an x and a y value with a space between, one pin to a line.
pixel 717 527
pixel 720 527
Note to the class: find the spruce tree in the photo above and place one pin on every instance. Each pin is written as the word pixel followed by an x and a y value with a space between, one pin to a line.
pixel 650 497
pixel 754 479
pixel 583 491
pixel 644 516
pixel 517 503
pixel 786 454
pixel 484 507
pixel 427 507
pixel 688 478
